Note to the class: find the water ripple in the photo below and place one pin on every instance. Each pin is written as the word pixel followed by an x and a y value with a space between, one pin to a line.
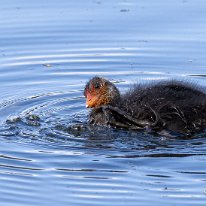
pixel 49 154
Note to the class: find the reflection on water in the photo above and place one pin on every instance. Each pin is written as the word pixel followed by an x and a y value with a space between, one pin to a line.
pixel 49 155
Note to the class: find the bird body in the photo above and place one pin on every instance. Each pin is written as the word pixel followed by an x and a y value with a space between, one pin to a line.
pixel 168 105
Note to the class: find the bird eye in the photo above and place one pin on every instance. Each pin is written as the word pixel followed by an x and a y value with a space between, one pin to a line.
pixel 97 85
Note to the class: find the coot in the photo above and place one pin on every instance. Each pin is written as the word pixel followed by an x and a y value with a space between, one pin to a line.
pixel 168 105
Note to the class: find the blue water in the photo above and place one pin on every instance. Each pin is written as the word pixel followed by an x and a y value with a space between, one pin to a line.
pixel 48 51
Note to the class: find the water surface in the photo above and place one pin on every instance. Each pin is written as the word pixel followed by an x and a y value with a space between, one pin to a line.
pixel 48 51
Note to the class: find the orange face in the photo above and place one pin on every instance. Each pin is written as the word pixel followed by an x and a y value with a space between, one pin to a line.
pixel 91 100
pixel 99 91
pixel 96 93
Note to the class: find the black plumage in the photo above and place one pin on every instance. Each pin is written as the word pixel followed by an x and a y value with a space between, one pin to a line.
pixel 168 105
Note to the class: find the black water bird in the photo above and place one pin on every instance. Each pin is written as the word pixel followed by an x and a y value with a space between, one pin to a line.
pixel 168 105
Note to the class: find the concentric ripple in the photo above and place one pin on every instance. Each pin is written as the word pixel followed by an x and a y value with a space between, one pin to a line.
pixel 49 155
